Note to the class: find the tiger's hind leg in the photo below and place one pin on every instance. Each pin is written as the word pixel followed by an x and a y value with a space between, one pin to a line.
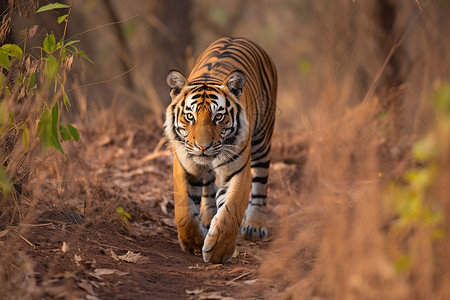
pixel 254 225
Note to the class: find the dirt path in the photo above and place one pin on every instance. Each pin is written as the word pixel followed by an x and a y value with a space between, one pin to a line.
pixel 94 264
pixel 80 248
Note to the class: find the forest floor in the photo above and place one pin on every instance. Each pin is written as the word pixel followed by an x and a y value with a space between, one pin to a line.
pixel 80 248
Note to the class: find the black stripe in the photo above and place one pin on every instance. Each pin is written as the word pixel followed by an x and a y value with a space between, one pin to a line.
pixel 261 155
pixel 258 204
pixel 220 204
pixel 260 179
pixel 258 141
pixel 233 158
pixel 195 184
pixel 200 183
pixel 209 196
pixel 264 165
pixel 221 193
pixel 196 199
pixel 259 196
pixel 237 172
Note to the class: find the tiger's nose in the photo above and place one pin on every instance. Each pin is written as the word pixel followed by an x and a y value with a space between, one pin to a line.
pixel 202 147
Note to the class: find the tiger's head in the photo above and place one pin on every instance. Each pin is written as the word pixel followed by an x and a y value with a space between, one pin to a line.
pixel 206 121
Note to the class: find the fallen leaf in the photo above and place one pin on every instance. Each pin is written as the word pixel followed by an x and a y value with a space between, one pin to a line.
pixel 196 291
pixel 65 247
pixel 87 287
pixel 112 254
pixel 135 258
pixel 251 282
pixel 77 259
pixel 214 296
pixel 100 272
pixel 4 233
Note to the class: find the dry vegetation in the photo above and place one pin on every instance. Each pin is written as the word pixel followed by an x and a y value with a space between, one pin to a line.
pixel 359 197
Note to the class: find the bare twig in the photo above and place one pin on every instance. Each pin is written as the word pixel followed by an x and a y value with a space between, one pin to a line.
pixel 154 155
pixel 31 244
pixel 239 277
pixel 394 48
pixel 104 25
pixel 108 80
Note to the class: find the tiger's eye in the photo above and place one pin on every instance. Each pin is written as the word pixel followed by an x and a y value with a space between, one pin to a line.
pixel 219 117
pixel 189 117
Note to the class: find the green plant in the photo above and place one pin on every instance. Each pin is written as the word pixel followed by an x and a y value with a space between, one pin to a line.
pixel 37 82
pixel 414 200
pixel 124 215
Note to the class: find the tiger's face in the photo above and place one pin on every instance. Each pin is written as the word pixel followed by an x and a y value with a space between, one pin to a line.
pixel 206 122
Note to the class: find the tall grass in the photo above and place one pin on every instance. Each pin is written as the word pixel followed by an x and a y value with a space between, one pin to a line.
pixel 374 216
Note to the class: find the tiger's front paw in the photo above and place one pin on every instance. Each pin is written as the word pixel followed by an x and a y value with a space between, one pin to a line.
pixel 218 246
pixel 191 237
pixel 253 232
pixel 254 226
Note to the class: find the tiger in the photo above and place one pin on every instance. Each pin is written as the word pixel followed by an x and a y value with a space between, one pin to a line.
pixel 219 125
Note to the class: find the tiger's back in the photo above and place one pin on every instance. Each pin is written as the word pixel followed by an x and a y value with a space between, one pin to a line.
pixel 220 124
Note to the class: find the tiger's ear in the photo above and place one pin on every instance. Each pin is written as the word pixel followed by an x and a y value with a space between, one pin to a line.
pixel 235 82
pixel 176 81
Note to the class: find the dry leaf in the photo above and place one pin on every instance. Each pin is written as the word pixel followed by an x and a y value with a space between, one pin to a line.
pixel 196 291
pixel 65 247
pixel 86 286
pixel 135 258
pixel 214 295
pixel 77 259
pixel 32 31
pixel 4 233
pixel 112 254
pixel 100 272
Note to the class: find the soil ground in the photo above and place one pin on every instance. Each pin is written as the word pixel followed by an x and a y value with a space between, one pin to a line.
pixel 84 250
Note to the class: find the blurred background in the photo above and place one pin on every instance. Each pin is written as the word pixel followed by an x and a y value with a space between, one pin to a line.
pixel 361 148
pixel 326 53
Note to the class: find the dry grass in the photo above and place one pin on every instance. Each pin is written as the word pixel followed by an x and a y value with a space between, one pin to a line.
pixel 346 240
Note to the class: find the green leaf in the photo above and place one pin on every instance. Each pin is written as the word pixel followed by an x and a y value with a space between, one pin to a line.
pixel 83 55
pixel 441 99
pixel 425 149
pixel 73 132
pixel 60 44
pixel 31 82
pixel 5 182
pixel 305 66
pixel 124 215
pixel 63 54
pixel 51 68
pixel 45 130
pixel 65 133
pixel 12 50
pixel 72 42
pixel 66 101
pixel 26 138
pixel 50 43
pixel 403 263
pixel 55 120
pixel 3 112
pixel 51 6
pixel 62 18
pixel 4 60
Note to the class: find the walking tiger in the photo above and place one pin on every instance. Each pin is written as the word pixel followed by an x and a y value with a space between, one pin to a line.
pixel 220 124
